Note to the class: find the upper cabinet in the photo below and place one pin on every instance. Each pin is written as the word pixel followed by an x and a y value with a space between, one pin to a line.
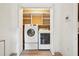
pixel 36 16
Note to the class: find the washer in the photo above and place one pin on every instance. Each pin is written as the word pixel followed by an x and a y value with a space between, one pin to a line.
pixel 31 36
pixel 31 33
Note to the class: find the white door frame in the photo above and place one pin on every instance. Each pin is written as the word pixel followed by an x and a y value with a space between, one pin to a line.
pixel 51 31
pixel 51 22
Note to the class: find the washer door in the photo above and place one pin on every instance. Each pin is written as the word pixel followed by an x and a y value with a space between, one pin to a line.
pixel 30 32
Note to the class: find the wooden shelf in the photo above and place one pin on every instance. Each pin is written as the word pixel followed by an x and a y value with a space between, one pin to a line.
pixel 46 18
pixel 27 18
pixel 44 27
pixel 40 19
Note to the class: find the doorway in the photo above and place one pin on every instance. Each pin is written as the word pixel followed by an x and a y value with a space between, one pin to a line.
pixel 38 21
pixel 46 6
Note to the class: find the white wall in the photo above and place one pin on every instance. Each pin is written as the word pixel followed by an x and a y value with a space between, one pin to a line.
pixel 69 29
pixel 55 28
pixel 65 31
pixel 8 27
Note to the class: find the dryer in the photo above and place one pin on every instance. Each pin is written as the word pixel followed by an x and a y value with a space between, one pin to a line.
pixel 44 39
pixel 31 37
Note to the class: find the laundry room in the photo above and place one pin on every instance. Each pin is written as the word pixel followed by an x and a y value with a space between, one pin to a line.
pixel 36 29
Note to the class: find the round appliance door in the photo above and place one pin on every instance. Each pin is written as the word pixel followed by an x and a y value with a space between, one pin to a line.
pixel 30 32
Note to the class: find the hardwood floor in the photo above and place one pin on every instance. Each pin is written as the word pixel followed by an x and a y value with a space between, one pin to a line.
pixel 39 53
pixel 36 53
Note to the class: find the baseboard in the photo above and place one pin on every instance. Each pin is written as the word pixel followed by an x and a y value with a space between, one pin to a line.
pixel 58 53
pixel 13 54
pixel 44 49
pixel 52 53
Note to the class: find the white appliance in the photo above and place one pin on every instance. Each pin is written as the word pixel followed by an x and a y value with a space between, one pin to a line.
pixel 44 39
pixel 31 37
